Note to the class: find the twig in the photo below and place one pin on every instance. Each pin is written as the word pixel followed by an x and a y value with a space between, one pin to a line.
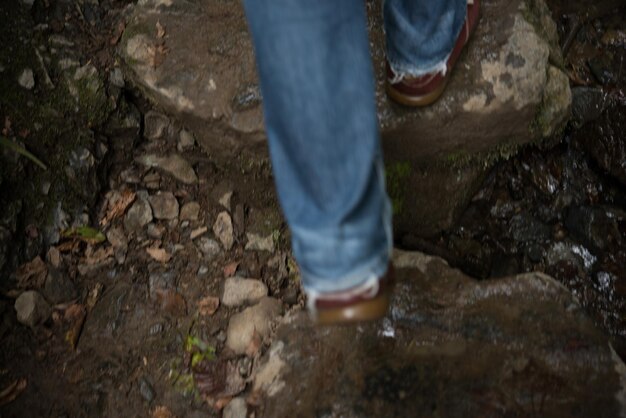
pixel 21 150
pixel 47 78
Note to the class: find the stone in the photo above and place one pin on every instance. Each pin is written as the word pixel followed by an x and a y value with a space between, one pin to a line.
pixel 236 408
pixel 164 205
pixel 185 140
pixel 201 230
pixel 155 125
pixel 255 319
pixel 32 309
pixel 506 91
pixel 209 247
pixel 259 243
pixel 190 211
pixel 138 216
pixel 161 281
pixel 58 287
pixel 119 242
pixel 27 79
pixel 174 164
pixel 596 226
pixel 445 335
pixel 238 291
pixel 116 77
pixel 146 390
pixel 223 230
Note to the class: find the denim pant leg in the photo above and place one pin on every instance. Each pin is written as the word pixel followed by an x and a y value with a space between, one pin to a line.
pixel 421 34
pixel 320 116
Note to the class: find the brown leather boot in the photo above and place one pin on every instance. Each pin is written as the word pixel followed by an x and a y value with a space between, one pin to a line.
pixel 366 302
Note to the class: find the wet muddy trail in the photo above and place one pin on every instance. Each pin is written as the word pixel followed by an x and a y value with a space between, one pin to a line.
pixel 562 210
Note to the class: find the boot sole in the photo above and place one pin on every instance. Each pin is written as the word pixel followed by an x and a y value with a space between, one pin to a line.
pixel 367 310
pixel 416 101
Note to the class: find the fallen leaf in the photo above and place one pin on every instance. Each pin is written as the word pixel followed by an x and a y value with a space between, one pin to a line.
pixel 85 233
pixel 159 254
pixel 171 302
pixel 198 231
pixel 157 54
pixel 97 257
pixel 230 269
pixel 220 403
pixel 76 314
pixel 68 246
pixel 160 30
pixel 94 295
pixel 32 274
pixel 11 392
pixel 118 208
pixel 208 305
pixel 162 412
pixel 54 257
pixel 117 35
pixel 254 345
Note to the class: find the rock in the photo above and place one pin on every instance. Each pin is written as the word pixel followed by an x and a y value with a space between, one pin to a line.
pixel 155 125
pixel 185 140
pixel 588 103
pixel 32 309
pixel 239 291
pixel 118 240
pixel 146 390
pixel 174 165
pixel 236 408
pixel 161 281
pixel 138 216
pixel 259 243
pixel 58 287
pixel 507 90
pixel 27 79
pixel 209 247
pixel 255 319
pixel 223 229
pixel 524 227
pixel 54 257
pixel 190 211
pixel 116 77
pixel 597 226
pixel 201 230
pixel 155 231
pixel 164 205
pixel 503 336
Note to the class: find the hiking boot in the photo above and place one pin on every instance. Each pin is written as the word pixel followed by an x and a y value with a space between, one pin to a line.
pixel 366 302
pixel 426 89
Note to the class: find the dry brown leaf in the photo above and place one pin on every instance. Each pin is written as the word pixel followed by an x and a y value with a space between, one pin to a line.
pixel 94 295
pixel 230 269
pixel 117 35
pixel 208 305
pixel 162 412
pixel 197 232
pixel 76 314
pixel 171 302
pixel 12 391
pixel 98 256
pixel 32 274
pixel 220 403
pixel 68 246
pixel 157 54
pixel 255 344
pixel 160 30
pixel 159 254
pixel 54 257
pixel 118 208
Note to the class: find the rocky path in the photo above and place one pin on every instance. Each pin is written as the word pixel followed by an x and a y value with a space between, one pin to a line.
pixel 178 295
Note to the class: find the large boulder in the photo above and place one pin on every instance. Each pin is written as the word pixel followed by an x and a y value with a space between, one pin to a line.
pixel 451 346
pixel 196 61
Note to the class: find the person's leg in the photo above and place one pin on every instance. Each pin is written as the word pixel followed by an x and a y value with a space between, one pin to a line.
pixel 424 39
pixel 320 115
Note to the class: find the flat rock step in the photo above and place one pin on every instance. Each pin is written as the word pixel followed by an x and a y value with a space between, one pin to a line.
pixel 450 347
pixel 505 91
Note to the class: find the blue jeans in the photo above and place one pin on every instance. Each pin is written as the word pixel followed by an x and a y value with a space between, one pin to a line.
pixel 319 105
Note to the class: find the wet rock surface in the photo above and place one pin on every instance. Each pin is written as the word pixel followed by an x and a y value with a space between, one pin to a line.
pixel 450 346
pixel 507 90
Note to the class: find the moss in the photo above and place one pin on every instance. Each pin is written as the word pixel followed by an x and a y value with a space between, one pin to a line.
pixel 396 175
